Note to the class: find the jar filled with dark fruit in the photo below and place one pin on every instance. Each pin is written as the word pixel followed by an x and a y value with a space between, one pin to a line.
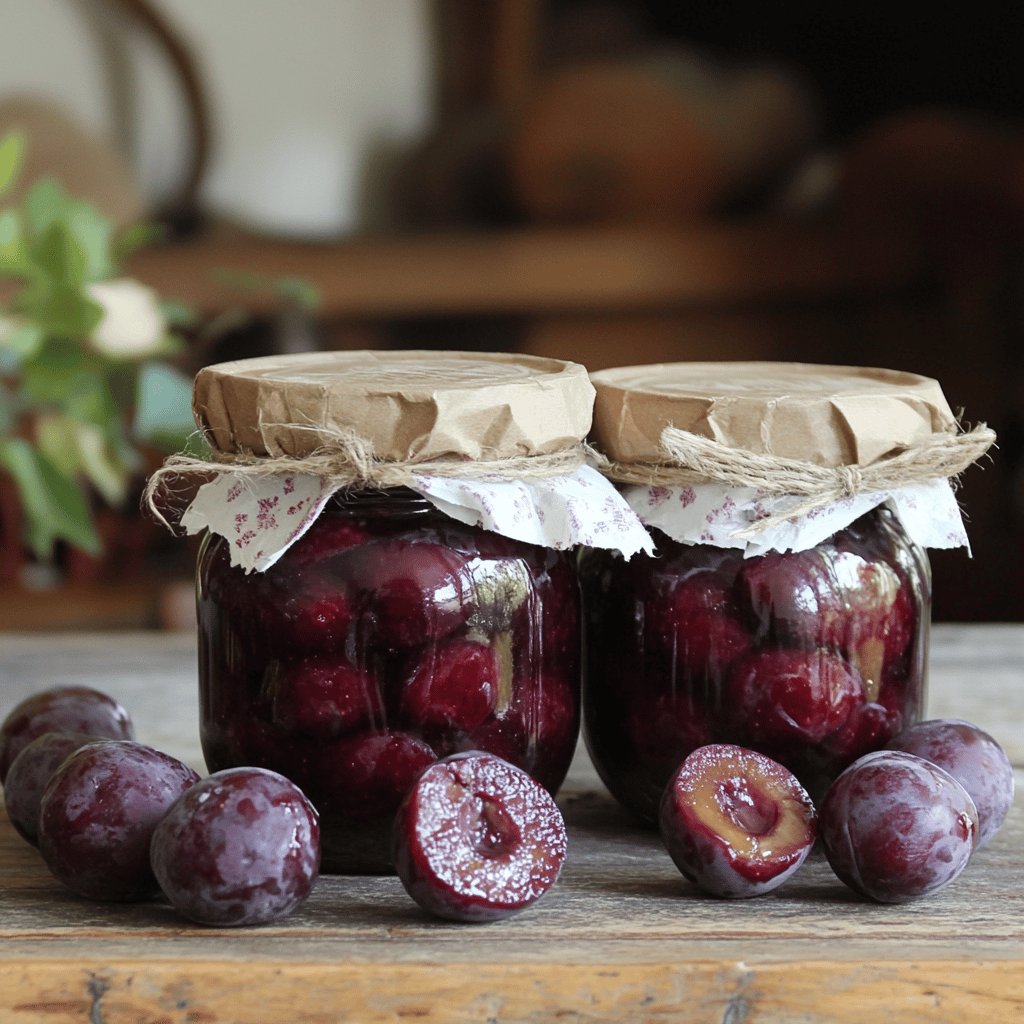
pixel 786 608
pixel 399 627
pixel 387 637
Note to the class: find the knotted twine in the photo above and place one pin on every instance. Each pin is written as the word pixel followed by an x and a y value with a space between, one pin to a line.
pixel 693 459
pixel 347 461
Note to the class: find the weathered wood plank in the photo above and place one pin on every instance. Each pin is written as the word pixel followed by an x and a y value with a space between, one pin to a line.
pixel 139 991
pixel 621 937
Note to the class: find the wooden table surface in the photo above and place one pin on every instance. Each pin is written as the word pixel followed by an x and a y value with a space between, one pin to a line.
pixel 622 937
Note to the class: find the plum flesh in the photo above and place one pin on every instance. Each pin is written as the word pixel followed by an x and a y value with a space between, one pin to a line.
pixel 477 839
pixel 735 822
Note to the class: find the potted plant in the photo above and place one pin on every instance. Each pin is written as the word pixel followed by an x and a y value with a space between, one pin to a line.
pixel 88 385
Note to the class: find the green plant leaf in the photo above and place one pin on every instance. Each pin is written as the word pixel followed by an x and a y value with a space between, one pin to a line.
pixel 12 155
pixel 135 237
pixel 47 205
pixel 8 406
pixel 13 259
pixel 99 453
pixel 56 442
pixel 100 463
pixel 94 233
pixel 63 311
pixel 53 374
pixel 65 379
pixel 123 447
pixel 163 406
pixel 59 255
pixel 54 506
pixel 89 400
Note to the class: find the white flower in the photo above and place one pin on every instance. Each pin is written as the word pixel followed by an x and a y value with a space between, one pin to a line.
pixel 133 325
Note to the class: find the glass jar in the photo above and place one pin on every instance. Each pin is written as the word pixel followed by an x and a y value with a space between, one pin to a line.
pixel 387 636
pixel 813 657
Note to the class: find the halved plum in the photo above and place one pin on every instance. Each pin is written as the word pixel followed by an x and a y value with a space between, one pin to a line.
pixel 735 822
pixel 477 839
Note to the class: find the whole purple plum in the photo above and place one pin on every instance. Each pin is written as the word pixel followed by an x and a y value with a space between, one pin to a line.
pixel 29 774
pixel 98 813
pixel 62 709
pixel 973 758
pixel 240 847
pixel 896 827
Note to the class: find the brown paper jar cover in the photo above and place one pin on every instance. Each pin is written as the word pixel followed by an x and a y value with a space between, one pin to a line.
pixel 823 414
pixel 409 405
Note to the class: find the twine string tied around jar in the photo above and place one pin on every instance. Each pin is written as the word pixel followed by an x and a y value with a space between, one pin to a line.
pixel 693 459
pixel 348 461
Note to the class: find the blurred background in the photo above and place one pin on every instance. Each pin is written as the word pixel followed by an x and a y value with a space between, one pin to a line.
pixel 610 181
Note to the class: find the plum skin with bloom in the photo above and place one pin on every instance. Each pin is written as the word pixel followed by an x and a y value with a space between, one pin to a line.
pixel 736 823
pixel 98 813
pixel 240 847
pixel 62 709
pixel 896 827
pixel 29 775
pixel 973 758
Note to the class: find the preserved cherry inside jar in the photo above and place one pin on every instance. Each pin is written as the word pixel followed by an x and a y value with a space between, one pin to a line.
pixel 387 633
pixel 386 637
pixel 812 657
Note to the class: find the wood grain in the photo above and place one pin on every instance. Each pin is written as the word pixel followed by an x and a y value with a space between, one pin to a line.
pixel 542 270
pixel 622 937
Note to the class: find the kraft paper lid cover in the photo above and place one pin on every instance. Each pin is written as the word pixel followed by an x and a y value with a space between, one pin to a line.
pixel 823 414
pixel 411 405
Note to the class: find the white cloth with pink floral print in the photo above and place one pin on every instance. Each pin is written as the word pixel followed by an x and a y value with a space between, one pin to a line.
pixel 263 516
pixel 718 515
